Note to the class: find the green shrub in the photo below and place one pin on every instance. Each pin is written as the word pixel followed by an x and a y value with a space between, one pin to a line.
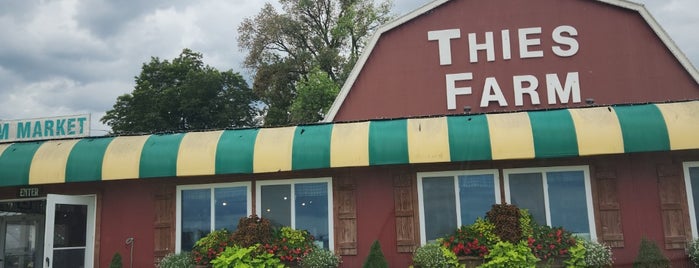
pixel 526 223
pixel 375 258
pixel 433 255
pixel 577 256
pixel 209 246
pixel 596 254
pixel 505 217
pixel 549 242
pixel 180 260
pixel 506 255
pixel 290 245
pixel 116 261
pixel 650 256
pixel 252 256
pixel 253 230
pixel 693 251
pixel 321 258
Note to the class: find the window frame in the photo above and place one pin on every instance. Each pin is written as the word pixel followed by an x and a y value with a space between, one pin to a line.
pixel 690 197
pixel 292 183
pixel 543 170
pixel 455 174
pixel 211 187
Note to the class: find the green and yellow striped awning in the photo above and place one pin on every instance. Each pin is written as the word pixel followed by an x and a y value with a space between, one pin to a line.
pixel 521 135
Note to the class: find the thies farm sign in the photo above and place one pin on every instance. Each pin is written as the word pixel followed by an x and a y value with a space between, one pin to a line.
pixel 45 128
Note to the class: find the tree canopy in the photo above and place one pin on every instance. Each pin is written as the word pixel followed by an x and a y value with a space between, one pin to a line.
pixel 283 49
pixel 183 94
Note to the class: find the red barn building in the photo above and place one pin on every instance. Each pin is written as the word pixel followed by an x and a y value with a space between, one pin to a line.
pixel 582 111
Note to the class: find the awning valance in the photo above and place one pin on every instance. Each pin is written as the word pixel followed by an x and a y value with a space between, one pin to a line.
pixel 520 135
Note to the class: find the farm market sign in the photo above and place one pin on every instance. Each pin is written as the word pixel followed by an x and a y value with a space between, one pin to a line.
pixel 528 40
pixel 45 128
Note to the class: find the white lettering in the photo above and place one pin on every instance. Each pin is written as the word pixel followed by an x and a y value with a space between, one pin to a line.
pixel 453 91
pixel 491 86
pixel 525 43
pixel 506 50
pixel 473 47
pixel 569 41
pixel 520 89
pixel 444 38
pixel 554 88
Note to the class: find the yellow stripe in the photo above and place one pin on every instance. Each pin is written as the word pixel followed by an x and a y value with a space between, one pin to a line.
pixel 598 131
pixel 197 153
pixel 428 140
pixel 349 145
pixel 682 121
pixel 123 157
pixel 273 149
pixel 511 136
pixel 3 147
pixel 49 162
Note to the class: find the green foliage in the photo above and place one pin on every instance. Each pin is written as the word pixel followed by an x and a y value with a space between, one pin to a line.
pixel 506 255
pixel 209 246
pixel 321 258
pixel 314 95
pixel 183 94
pixel 577 256
pixel 253 230
pixel 472 240
pixel 693 251
pixel 596 254
pixel 433 255
pixel 116 261
pixel 180 260
pixel 284 47
pixel 244 257
pixel 290 245
pixel 505 217
pixel 376 258
pixel 526 223
pixel 549 242
pixel 649 255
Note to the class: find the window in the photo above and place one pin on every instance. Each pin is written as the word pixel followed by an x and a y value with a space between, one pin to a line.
pixel 451 199
pixel 691 180
pixel 204 208
pixel 301 204
pixel 557 196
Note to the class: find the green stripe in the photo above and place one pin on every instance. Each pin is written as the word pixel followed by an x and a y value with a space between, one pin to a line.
pixel 554 134
pixel 235 151
pixel 159 156
pixel 643 128
pixel 15 163
pixel 85 160
pixel 311 148
pixel 469 138
pixel 388 142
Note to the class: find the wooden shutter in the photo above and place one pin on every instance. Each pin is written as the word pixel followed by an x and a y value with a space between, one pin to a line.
pixel 345 205
pixel 611 232
pixel 673 206
pixel 164 223
pixel 405 199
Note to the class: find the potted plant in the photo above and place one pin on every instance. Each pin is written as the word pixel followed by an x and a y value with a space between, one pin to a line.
pixel 180 260
pixel 290 245
pixel 321 258
pixel 597 255
pixel 551 245
pixel 434 255
pixel 209 246
pixel 252 256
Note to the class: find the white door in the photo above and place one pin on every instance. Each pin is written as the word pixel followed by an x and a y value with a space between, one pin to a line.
pixel 70 231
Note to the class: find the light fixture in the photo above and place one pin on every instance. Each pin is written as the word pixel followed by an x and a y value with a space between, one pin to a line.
pixel 467 109
pixel 590 101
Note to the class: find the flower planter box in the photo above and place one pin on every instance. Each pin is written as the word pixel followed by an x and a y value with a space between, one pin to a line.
pixel 555 262
pixel 470 261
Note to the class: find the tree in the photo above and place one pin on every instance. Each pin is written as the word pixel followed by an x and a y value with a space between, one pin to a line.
pixel 376 258
pixel 313 97
pixel 283 48
pixel 183 94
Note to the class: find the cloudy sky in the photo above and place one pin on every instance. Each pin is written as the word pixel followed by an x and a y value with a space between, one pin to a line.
pixel 64 57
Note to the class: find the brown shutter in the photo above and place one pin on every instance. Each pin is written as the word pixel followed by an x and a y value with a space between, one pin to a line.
pixel 673 206
pixel 611 232
pixel 404 199
pixel 345 206
pixel 164 224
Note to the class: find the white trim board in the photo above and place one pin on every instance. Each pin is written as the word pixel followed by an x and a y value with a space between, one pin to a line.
pixel 354 74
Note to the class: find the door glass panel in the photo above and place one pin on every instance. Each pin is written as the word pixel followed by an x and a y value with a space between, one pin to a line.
pixel 312 210
pixel 70 226
pixel 20 244
pixel 231 205
pixel 567 201
pixel 476 196
pixel 69 258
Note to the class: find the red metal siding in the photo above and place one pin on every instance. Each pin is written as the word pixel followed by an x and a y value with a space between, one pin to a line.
pixel 620 59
